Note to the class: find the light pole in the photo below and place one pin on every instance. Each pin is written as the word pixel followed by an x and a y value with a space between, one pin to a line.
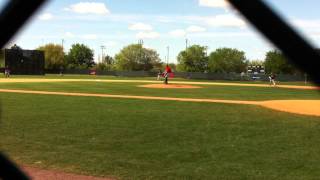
pixel 168 49
pixel 140 42
pixel 102 52
pixel 186 43
pixel 62 44
pixel 206 50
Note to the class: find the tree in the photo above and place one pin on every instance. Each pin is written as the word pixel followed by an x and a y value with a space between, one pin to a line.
pixel 193 59
pixel 276 62
pixel 16 47
pixel 108 60
pixel 134 58
pixel 226 60
pixel 2 63
pixel 101 66
pixel 53 55
pixel 256 63
pixel 106 64
pixel 80 56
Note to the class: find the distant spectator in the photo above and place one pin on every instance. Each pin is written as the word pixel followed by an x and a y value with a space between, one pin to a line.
pixel 61 70
pixel 7 72
pixel 159 75
pixel 242 75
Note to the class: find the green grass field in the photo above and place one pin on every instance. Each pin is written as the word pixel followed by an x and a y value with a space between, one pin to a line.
pixel 69 76
pixel 150 139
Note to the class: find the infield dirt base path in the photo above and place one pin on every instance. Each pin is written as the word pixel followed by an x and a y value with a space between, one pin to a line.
pixel 170 86
pixel 41 174
pixel 303 107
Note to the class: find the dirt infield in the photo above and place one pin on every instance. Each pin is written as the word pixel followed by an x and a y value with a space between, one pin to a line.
pixel 38 80
pixel 41 174
pixel 170 86
pixel 303 107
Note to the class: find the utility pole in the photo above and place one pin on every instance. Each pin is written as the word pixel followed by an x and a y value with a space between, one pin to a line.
pixel 186 43
pixel 140 42
pixel 102 52
pixel 168 49
pixel 206 50
pixel 62 44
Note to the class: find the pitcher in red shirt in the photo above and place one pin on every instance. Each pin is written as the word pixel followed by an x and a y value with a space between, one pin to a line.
pixel 167 73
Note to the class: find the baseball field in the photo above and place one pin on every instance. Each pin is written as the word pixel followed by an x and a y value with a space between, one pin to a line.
pixel 138 128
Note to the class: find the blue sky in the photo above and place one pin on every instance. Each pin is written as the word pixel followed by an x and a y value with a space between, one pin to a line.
pixel 160 23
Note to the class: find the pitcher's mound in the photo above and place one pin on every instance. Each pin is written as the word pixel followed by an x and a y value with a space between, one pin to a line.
pixel 170 86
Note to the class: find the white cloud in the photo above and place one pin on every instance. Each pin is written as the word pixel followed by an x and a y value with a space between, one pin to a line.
pixel 147 35
pixel 225 20
pixel 194 29
pixel 307 23
pixel 222 35
pixel 89 8
pixel 89 36
pixel 178 33
pixel 217 21
pixel 69 35
pixel 46 16
pixel 140 27
pixel 214 3
pixel 163 19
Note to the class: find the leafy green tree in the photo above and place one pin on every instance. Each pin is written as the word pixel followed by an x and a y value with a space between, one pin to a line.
pixel 108 60
pixel 80 56
pixel 256 63
pixel 101 66
pixel 135 57
pixel 54 56
pixel 276 62
pixel 226 60
pixel 193 59
pixel 2 63
pixel 107 64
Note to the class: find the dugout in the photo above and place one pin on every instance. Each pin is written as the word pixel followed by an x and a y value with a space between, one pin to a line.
pixel 24 62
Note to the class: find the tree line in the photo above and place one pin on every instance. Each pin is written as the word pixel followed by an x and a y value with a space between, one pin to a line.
pixel 135 57
pixel 230 60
